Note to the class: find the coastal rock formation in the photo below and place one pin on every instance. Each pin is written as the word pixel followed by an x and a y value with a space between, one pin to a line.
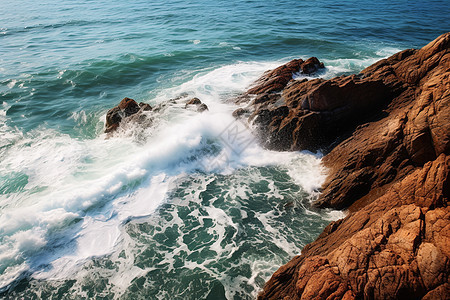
pixel 277 79
pixel 126 108
pixel 389 166
pixel 199 106
pixel 308 114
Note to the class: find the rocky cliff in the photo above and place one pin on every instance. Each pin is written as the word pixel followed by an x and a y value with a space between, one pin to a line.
pixel 386 132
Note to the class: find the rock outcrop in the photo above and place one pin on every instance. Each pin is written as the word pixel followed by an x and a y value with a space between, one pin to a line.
pixel 276 80
pixel 387 136
pixel 198 104
pixel 126 108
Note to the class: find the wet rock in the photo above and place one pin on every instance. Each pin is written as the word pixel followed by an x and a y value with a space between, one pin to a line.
pixel 200 107
pixel 240 112
pixel 126 108
pixel 277 79
pixel 145 107
pixel 311 65
pixel 113 118
pixel 193 101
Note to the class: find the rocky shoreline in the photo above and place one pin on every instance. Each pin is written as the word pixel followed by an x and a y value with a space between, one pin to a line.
pixel 386 135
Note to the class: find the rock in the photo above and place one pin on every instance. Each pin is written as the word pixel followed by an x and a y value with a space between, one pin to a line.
pixel 113 118
pixel 145 107
pixel 432 265
pixel 200 107
pixel 277 79
pixel 386 250
pixel 311 65
pixel 240 112
pixel 126 108
pixel 129 111
pixel 194 101
pixel 389 165
pixel 335 105
pixel 342 103
pixel 440 293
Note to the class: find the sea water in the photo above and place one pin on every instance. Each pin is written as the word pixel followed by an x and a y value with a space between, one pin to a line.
pixel 191 207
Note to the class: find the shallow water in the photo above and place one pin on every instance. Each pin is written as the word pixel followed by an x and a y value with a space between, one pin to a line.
pixel 181 209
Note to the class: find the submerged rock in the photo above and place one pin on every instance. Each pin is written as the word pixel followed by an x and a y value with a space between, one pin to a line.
pixel 387 132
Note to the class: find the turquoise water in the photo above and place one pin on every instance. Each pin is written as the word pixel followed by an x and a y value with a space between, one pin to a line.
pixel 175 210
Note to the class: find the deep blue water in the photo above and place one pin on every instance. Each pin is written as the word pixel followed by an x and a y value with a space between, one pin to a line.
pixel 141 214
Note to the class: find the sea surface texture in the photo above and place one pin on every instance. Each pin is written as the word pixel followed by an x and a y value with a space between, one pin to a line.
pixel 190 207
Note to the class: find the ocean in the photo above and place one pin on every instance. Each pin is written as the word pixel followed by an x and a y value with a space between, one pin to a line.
pixel 191 207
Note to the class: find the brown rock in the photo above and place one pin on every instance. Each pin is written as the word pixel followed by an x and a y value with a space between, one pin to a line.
pixel 335 105
pixel 311 65
pixel 442 292
pixel 240 112
pixel 200 107
pixel 113 118
pixel 145 107
pixel 276 80
pixel 126 108
pixel 432 265
pixel 194 101
pixel 383 257
pixel 344 102
pixel 392 171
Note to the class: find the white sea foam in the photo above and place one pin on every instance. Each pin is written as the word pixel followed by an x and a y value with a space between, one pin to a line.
pixel 11 84
pixel 228 45
pixel 213 85
pixel 335 67
pixel 338 66
pixel 8 135
pixel 308 172
pixel 79 117
pixel 80 193
pixel 387 51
